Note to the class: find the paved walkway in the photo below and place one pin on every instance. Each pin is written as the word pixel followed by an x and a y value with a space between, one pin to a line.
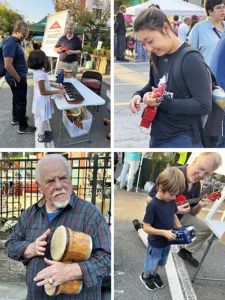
pixel 129 256
pixel 129 77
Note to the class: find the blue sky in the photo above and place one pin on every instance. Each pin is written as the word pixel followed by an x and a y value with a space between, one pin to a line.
pixel 33 10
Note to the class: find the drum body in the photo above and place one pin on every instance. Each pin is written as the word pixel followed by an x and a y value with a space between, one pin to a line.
pixel 70 287
pixel 69 245
pixel 68 73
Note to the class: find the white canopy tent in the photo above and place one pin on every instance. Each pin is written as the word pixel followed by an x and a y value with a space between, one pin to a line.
pixel 170 8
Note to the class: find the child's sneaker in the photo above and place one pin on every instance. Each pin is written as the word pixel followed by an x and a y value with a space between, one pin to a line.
pixel 148 282
pixel 46 133
pixel 46 139
pixel 157 280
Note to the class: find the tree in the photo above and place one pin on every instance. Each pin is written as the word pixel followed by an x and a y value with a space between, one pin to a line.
pixel 7 18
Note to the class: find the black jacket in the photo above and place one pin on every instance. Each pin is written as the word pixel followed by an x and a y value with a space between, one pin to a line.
pixel 120 28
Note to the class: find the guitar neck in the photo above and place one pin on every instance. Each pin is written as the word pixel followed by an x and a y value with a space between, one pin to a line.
pixel 193 200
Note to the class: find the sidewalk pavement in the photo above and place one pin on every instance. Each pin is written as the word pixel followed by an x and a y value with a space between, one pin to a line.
pixel 12 291
pixel 129 253
pixel 129 77
pixel 9 138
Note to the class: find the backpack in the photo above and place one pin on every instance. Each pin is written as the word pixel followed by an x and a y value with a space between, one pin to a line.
pixel 209 131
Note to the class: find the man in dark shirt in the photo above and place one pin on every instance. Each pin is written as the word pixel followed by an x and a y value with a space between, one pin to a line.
pixel 203 165
pixel 31 237
pixel 68 59
pixel 16 72
pixel 120 31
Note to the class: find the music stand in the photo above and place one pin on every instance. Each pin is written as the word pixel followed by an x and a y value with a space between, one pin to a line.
pixel 218 230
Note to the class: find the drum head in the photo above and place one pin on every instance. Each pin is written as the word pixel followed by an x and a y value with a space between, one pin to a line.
pixel 58 243
pixel 52 291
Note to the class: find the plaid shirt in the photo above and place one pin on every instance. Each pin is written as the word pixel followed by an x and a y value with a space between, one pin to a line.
pixel 79 215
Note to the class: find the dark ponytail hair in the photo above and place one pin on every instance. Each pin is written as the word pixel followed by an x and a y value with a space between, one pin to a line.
pixel 151 19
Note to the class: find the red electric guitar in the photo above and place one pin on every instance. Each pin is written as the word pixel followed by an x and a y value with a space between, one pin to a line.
pixel 149 113
pixel 181 199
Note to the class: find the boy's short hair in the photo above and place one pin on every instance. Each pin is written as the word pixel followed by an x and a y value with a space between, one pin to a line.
pixel 37 60
pixel 171 180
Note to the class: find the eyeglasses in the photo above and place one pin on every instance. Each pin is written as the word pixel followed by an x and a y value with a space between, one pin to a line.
pixel 220 7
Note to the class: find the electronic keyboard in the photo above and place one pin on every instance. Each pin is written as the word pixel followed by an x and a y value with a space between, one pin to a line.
pixel 72 95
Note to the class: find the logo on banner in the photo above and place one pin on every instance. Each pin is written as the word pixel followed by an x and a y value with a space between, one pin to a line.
pixel 55 25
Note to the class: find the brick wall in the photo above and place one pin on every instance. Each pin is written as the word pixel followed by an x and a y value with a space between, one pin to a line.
pixel 10 270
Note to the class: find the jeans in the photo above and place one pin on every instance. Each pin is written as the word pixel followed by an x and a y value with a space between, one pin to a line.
pixel 181 141
pixel 19 101
pixel 115 42
pixel 140 51
pixel 120 47
pixel 130 166
pixel 155 257
pixel 202 229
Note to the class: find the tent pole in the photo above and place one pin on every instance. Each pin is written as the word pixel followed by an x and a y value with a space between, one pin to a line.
pixel 139 172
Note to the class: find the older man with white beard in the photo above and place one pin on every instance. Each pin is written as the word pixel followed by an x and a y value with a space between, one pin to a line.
pixel 31 237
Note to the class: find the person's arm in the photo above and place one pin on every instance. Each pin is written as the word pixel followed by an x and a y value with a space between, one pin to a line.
pixel 17 243
pixel 137 97
pixel 195 210
pixel 217 64
pixel 198 82
pixel 9 52
pixel 98 265
pixel 69 52
pixel 193 36
pixel 58 49
pixel 166 233
pixel 8 63
pixel 177 221
pixel 44 92
pixel 99 262
pixel 60 87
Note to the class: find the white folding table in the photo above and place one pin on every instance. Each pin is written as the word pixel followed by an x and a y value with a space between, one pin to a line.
pixel 90 99
pixel 218 230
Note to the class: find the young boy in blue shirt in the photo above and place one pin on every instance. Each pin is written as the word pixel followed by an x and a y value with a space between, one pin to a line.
pixel 159 220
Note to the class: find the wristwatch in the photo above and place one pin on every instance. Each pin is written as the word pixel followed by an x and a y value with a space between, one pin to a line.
pixel 157 100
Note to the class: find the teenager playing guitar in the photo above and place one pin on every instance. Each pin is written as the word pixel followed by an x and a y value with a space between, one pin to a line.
pixel 202 166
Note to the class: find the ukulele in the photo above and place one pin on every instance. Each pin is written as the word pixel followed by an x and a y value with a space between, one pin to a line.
pixel 149 112
pixel 181 199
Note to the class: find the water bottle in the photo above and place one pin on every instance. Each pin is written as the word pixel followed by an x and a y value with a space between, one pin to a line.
pixel 60 78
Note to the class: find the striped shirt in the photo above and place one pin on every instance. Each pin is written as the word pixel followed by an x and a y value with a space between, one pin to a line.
pixel 79 215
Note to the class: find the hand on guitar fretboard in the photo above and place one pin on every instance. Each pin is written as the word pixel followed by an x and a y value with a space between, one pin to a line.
pixel 181 199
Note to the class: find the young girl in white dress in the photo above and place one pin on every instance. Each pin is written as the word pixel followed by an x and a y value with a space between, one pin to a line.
pixel 42 103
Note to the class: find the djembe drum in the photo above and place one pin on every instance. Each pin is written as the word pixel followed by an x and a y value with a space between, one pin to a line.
pixel 69 246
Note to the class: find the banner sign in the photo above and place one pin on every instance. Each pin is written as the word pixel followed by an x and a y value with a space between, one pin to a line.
pixel 54 29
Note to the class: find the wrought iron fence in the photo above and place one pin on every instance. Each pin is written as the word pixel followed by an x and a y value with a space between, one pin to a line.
pixel 91 179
